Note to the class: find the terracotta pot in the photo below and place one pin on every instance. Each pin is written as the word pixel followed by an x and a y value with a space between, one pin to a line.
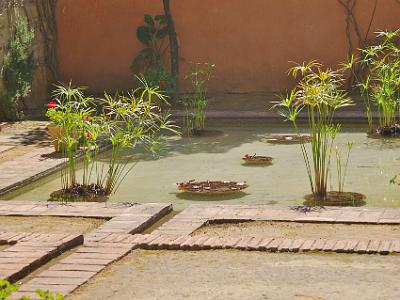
pixel 55 134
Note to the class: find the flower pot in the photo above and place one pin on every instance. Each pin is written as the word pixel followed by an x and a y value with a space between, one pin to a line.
pixel 55 134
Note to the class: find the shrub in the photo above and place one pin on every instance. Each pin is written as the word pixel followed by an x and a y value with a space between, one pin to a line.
pixel 17 70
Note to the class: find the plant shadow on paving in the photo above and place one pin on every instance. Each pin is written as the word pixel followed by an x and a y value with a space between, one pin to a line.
pixel 37 136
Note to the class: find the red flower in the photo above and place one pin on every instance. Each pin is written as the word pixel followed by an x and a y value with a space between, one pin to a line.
pixel 88 135
pixel 162 83
pixel 52 105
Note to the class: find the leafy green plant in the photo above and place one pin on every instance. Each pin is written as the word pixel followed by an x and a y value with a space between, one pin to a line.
pixel 73 114
pixel 18 70
pixel 161 77
pixel 7 289
pixel 122 121
pixel 195 103
pixel 152 35
pixel 133 119
pixel 150 60
pixel 47 295
pixel 380 83
pixel 320 92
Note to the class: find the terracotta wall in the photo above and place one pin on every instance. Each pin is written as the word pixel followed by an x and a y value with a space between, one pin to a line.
pixel 251 41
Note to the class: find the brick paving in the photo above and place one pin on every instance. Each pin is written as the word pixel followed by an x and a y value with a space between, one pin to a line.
pixel 101 247
pixel 29 251
pixel 198 215
pixel 176 233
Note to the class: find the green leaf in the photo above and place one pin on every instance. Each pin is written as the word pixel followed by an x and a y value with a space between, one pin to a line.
pixel 143 34
pixel 162 19
pixel 162 33
pixel 149 20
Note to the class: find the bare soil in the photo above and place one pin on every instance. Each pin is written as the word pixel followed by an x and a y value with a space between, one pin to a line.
pixel 233 274
pixel 302 230
pixel 49 224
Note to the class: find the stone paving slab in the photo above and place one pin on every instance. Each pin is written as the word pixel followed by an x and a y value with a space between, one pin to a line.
pixel 196 216
pixel 134 213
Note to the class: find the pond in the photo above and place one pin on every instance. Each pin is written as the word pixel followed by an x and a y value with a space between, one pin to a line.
pixel 373 163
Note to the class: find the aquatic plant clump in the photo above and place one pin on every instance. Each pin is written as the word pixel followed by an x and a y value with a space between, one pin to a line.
pixel 320 92
pixel 120 122
pixel 195 103
pixel 211 187
pixel 257 159
pixel 379 81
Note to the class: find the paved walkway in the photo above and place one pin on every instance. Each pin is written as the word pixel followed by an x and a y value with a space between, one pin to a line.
pixel 121 233
pixel 26 154
pixel 33 250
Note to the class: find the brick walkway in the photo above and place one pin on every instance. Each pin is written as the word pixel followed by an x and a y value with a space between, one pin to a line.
pixel 30 251
pixel 119 235
pixel 196 216
pixel 27 168
pixel 33 250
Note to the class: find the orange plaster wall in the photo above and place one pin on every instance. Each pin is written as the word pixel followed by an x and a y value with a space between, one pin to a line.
pixel 250 41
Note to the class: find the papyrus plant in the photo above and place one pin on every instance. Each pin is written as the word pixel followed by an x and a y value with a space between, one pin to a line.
pixel 319 92
pixel 130 120
pixel 121 121
pixel 73 115
pixel 379 79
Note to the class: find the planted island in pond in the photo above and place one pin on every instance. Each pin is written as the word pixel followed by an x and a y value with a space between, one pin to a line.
pixel 377 73
pixel 195 103
pixel 211 187
pixel 320 92
pixel 257 159
pixel 119 123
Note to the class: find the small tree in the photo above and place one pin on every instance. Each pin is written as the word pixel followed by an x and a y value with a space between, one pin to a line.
pixel 173 44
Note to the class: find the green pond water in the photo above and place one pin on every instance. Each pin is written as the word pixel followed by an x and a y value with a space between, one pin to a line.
pixel 373 163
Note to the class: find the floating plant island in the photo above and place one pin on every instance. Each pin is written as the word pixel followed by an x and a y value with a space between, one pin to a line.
pixel 211 187
pixel 257 159
pixel 335 198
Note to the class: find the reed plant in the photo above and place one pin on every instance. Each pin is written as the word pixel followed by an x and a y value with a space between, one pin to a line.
pixel 379 80
pixel 341 168
pixel 195 103
pixel 320 92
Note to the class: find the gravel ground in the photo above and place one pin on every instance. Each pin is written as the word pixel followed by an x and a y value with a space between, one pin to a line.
pixel 227 274
pixel 49 224
pixel 302 230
